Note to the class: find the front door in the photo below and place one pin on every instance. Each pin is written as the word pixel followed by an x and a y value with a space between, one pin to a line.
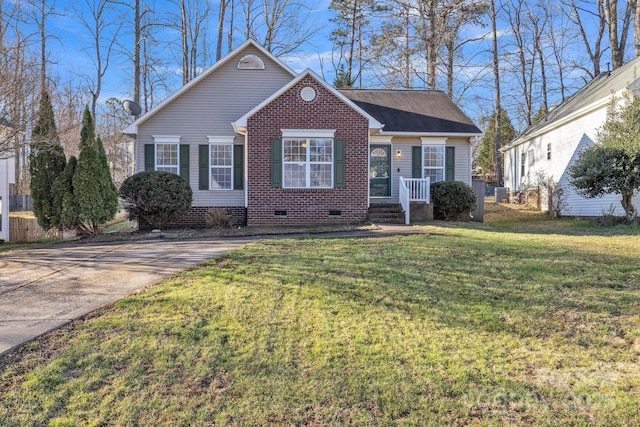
pixel 380 171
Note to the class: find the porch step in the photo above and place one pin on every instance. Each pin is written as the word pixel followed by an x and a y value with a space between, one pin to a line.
pixel 389 213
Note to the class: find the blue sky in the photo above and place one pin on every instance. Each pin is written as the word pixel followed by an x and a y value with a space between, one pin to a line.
pixel 73 63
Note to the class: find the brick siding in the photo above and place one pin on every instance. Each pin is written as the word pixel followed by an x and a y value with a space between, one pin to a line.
pixel 195 218
pixel 307 206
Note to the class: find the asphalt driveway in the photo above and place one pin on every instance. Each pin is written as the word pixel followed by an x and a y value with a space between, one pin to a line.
pixel 42 289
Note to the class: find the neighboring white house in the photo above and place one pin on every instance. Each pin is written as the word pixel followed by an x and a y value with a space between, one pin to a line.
pixel 551 145
pixel 7 177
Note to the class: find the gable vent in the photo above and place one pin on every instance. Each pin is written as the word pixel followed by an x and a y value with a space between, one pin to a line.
pixel 250 62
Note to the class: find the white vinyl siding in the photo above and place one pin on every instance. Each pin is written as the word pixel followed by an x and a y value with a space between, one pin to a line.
pixel 566 142
pixel 401 165
pixel 209 108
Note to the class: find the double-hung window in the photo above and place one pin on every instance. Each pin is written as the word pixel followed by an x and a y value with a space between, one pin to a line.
pixel 433 162
pixel 167 157
pixel 167 154
pixel 308 162
pixel 434 159
pixel 221 166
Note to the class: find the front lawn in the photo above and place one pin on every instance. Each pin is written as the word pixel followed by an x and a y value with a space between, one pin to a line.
pixel 488 324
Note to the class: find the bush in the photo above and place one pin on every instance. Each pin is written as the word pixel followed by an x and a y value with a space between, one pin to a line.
pixel 218 218
pixel 451 199
pixel 157 198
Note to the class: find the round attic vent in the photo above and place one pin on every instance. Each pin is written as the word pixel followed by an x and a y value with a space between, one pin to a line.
pixel 308 94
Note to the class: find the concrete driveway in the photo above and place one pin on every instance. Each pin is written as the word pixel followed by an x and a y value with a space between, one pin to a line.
pixel 42 289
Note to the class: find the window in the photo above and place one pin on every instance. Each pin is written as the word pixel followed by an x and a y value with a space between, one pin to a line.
pixel 532 157
pixel 308 162
pixel 549 151
pixel 167 157
pixel 221 166
pixel 523 159
pixel 433 162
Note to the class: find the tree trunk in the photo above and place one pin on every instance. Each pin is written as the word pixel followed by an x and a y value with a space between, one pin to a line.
pixel 136 52
pixel 496 74
pixel 636 29
pixel 223 7
pixel 43 48
pixel 185 46
pixel 627 205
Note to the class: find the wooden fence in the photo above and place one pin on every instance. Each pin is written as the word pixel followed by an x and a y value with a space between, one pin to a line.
pixel 20 202
pixel 28 230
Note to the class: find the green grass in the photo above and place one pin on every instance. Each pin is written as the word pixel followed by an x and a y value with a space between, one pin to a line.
pixel 515 322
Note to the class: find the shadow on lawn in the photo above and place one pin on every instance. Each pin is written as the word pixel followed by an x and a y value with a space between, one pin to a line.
pixel 463 283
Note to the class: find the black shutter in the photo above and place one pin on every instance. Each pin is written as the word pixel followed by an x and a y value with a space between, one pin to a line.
pixel 450 164
pixel 203 167
pixel 184 162
pixel 416 162
pixel 338 163
pixel 276 162
pixel 238 167
pixel 149 157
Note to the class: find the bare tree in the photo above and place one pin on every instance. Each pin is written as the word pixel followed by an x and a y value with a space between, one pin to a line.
pixel 393 49
pixel 96 20
pixel 617 46
pixel 456 15
pixel 190 19
pixel 432 36
pixel 496 75
pixel 577 11
pixel 281 26
pixel 19 81
pixel 221 13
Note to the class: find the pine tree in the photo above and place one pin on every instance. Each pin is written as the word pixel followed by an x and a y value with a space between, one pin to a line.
pixel 343 80
pixel 487 157
pixel 46 163
pixel 65 197
pixel 94 191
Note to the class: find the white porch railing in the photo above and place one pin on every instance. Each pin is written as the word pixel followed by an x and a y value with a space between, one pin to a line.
pixel 413 190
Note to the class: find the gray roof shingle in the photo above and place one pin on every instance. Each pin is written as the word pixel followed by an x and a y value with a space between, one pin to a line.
pixel 420 111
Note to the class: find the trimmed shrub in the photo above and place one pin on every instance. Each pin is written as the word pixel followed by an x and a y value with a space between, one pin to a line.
pixel 157 198
pixel 452 199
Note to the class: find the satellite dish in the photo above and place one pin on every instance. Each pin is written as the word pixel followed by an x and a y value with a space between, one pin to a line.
pixel 132 108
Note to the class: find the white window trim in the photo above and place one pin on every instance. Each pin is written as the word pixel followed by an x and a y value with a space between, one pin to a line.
pixel 433 141
pixel 308 133
pixel 166 139
pixel 380 139
pixel 308 162
pixel 221 140
pixel 444 158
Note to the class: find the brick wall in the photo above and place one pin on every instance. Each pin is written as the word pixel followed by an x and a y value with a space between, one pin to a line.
pixel 195 218
pixel 301 206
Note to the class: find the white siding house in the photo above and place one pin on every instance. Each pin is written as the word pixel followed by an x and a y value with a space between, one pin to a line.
pixel 7 176
pixel 4 199
pixel 551 145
